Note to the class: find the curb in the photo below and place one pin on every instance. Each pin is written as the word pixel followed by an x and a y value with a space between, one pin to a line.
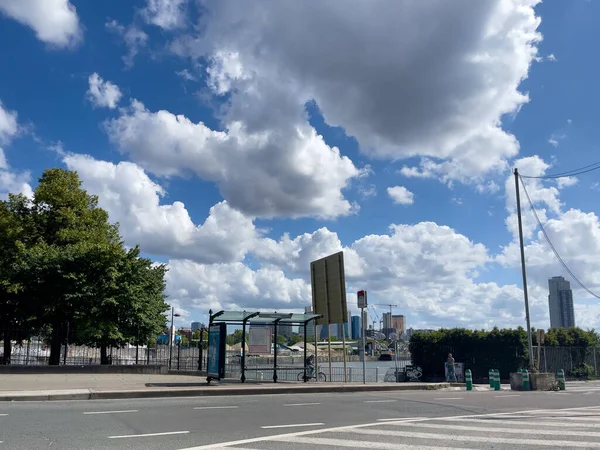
pixel 89 394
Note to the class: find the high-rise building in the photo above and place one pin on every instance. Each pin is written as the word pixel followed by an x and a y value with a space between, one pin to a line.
pixel 196 326
pixel 356 327
pixel 310 326
pixel 560 302
pixel 387 320
pixel 399 323
pixel 284 329
pixel 365 319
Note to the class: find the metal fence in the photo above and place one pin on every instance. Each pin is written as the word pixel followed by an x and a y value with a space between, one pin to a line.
pixel 570 359
pixel 35 352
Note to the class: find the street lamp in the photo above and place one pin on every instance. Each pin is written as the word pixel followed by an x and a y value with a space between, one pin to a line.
pixel 172 335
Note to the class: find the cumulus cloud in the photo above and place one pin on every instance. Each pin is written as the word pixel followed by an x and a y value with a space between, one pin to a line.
pixel 400 195
pixel 54 22
pixel 166 14
pixel 134 200
pixel 430 79
pixel 11 181
pixel 574 234
pixel 282 172
pixel 134 38
pixel 103 93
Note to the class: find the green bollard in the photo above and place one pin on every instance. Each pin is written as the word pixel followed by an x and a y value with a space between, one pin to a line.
pixel 561 380
pixel 491 376
pixel 469 380
pixel 497 380
pixel 526 386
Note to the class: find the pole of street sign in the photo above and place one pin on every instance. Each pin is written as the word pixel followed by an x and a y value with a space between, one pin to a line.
pixel 362 303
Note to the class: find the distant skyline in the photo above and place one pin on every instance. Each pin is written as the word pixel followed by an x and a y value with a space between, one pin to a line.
pixel 236 142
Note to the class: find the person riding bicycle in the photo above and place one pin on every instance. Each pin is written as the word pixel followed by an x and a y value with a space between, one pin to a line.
pixel 310 366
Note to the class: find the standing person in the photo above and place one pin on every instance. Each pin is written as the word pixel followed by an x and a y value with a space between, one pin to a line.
pixel 450 365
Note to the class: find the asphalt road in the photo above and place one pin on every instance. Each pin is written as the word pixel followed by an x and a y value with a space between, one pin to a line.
pixel 403 420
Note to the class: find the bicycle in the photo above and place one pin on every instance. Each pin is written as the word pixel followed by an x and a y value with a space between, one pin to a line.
pixel 322 376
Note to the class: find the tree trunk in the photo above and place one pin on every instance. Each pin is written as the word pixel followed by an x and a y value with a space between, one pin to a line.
pixel 55 345
pixel 104 359
pixel 5 360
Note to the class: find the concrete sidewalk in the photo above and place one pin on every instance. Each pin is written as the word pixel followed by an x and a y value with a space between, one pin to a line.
pixel 42 387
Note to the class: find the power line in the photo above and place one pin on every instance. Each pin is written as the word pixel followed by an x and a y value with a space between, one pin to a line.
pixel 569 173
pixel 584 287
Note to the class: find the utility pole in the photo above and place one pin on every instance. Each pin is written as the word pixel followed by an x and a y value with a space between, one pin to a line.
pixel 524 272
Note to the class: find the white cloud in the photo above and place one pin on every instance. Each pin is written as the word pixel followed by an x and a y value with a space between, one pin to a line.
pixel 186 75
pixel 574 234
pixel 103 93
pixel 566 182
pixel 400 195
pixel 10 181
pixel 166 14
pixel 553 142
pixel 426 269
pixel 134 38
pixel 392 84
pixel 288 170
pixel 54 22
pixel 133 200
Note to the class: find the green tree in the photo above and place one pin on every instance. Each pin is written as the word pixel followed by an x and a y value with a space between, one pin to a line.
pixel 294 339
pixel 280 340
pixel 82 282
pixel 235 337
pixel 14 307
pixel 129 301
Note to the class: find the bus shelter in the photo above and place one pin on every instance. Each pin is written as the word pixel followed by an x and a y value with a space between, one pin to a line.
pixel 245 318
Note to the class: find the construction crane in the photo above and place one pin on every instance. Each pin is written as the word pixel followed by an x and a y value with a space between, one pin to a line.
pixel 387 304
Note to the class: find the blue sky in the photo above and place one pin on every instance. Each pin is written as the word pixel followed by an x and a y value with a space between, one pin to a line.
pixel 216 104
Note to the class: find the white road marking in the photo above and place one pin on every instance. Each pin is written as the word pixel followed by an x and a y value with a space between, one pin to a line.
pixel 300 404
pixel 470 417
pixel 488 439
pixel 3 415
pixel 168 433
pixel 336 443
pixel 268 427
pixel 450 398
pixel 216 407
pixel 506 396
pixel 112 412
pixel 398 418
pixel 499 430
pixel 380 401
pixel 538 422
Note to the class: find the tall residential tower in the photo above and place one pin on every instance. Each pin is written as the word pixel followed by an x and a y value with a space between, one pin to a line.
pixel 560 302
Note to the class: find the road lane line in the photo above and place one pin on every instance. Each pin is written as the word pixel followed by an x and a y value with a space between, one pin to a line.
pixel 3 415
pixel 380 401
pixel 111 412
pixel 450 398
pixel 506 396
pixel 168 433
pixel 488 439
pixel 295 425
pixel 216 407
pixel 300 404
pixel 398 418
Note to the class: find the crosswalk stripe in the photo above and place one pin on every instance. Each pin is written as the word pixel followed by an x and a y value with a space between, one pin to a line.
pixel 360 444
pixel 497 430
pixel 578 419
pixel 538 423
pixel 478 439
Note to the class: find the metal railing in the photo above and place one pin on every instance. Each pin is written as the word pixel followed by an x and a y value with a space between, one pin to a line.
pixel 570 359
